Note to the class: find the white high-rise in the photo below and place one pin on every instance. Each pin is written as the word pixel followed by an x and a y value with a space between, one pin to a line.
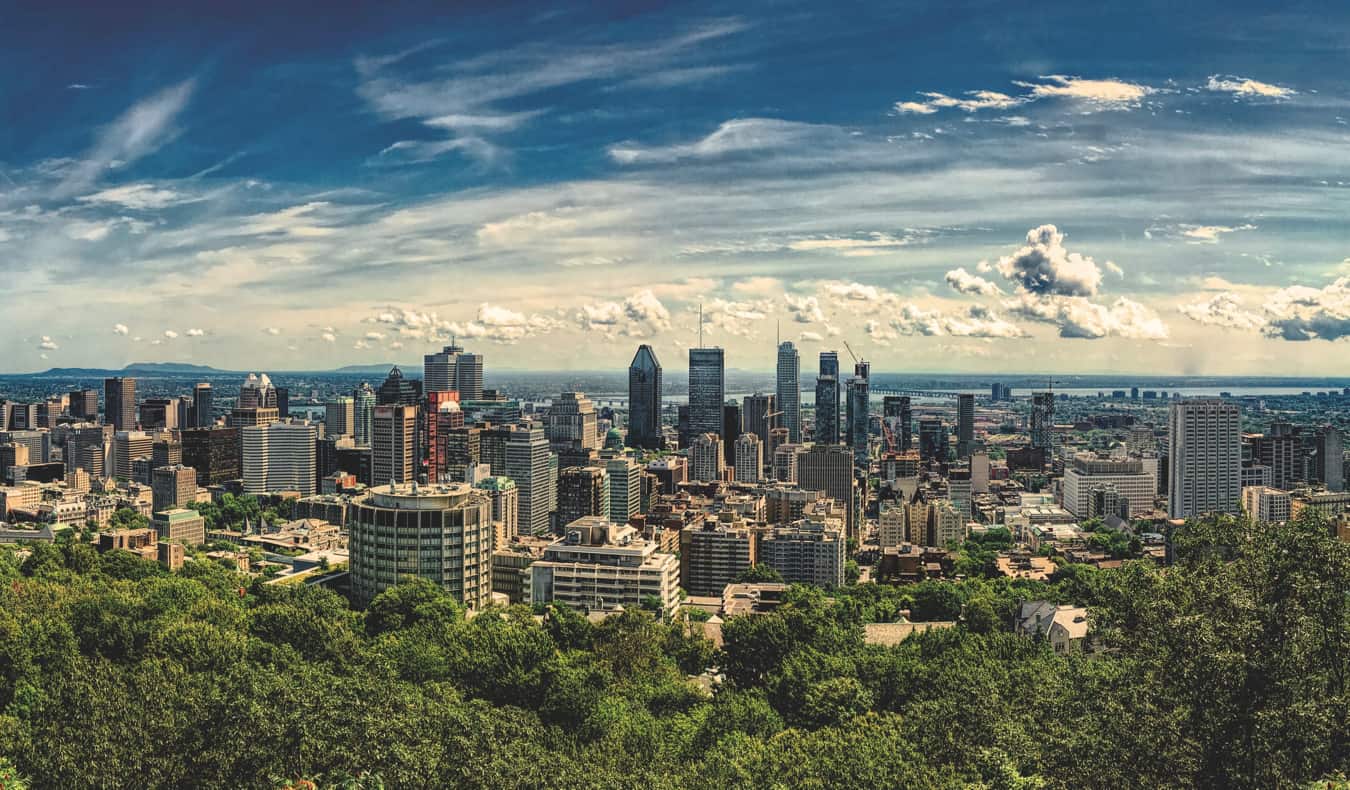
pixel 279 456
pixel 706 461
pixel 749 458
pixel 790 390
pixel 1204 464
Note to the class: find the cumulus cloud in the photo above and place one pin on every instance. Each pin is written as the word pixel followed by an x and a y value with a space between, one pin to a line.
pixel 1078 317
pixel 1247 88
pixel 271 330
pixel 856 292
pixel 170 334
pixel 374 336
pixel 47 344
pixel 978 100
pixel 1100 93
pixel 1224 309
pixel 964 282
pixel 328 337
pixel 736 317
pixel 1045 267
pixel 804 309
pixel 196 332
pixel 810 337
pixel 974 321
pixel 499 324
pixel 121 329
pixel 1301 313
pixel 639 315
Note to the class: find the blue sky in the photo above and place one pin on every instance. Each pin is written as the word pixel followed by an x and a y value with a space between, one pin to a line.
pixel 949 186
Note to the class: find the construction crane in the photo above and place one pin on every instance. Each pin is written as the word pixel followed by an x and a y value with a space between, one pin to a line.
pixel 850 352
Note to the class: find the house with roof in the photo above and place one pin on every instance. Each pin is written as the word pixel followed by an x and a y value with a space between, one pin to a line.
pixel 1064 627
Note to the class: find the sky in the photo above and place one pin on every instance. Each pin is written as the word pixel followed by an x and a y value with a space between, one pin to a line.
pixel 949 186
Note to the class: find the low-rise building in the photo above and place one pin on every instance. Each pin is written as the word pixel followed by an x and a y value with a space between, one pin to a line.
pixel 599 566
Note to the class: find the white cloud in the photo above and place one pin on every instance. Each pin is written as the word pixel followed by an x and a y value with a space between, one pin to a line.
pixel 1043 266
pixel 502 325
pixel 47 344
pixel 739 136
pixel 640 315
pixel 868 244
pixel 374 336
pixel 804 309
pixel 121 329
pixel 135 196
pixel 139 131
pixel 979 100
pixel 1100 93
pixel 1209 234
pixel 964 282
pixel 196 332
pixel 1300 312
pixel 1240 86
pixel 170 334
pixel 974 321
pixel 328 337
pixel 810 337
pixel 271 330
pixel 1077 317
pixel 1223 309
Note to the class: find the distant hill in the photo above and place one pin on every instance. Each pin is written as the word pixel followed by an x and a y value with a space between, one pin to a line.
pixel 147 369
pixel 412 371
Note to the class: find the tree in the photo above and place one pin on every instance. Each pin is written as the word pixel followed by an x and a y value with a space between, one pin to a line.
pixel 759 573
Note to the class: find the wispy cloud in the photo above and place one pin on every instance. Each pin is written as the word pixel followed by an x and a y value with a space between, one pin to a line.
pixel 1248 88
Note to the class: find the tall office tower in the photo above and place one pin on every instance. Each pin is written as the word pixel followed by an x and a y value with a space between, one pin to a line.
pixel 1280 449
pixel 644 400
pixel 127 447
pixel 166 452
pixel 749 458
pixel 339 416
pixel 443 416
pixel 187 412
pixel 469 376
pixel 625 489
pixel 759 415
pixel 896 411
pixel 932 440
pixel 23 417
pixel 397 390
pixel 283 402
pixel 789 390
pixel 214 453
pixel 829 468
pixel 707 390
pixel 119 403
pixel 1204 440
pixel 38 443
pixel 965 425
pixel 279 456
pixel 827 399
pixel 202 406
pixel 706 457
pixel 438 369
pixel 257 392
pixel 859 413
pixel 442 533
pixel 173 487
pixel 458 451
pixel 84 404
pixel 363 411
pixel 1043 420
pixel 159 413
pixel 393 444
pixel 571 424
pixel 1329 458
pixel 582 491
pixel 732 426
pixel 526 461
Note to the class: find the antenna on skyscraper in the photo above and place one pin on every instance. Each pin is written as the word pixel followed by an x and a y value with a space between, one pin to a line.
pixel 700 325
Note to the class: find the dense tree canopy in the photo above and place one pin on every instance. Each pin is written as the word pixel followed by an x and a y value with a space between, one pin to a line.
pixel 1227 669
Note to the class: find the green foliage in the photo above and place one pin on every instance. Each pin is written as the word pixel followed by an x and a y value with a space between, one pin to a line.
pixel 759 574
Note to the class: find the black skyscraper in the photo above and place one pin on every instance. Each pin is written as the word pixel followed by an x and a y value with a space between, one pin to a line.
pixel 644 400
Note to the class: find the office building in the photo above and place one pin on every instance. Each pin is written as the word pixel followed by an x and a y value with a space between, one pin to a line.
pixel 84 404
pixel 521 453
pixel 180 525
pixel 582 491
pixel 858 414
pixel 1266 505
pixel 571 424
pixel 1128 477
pixel 442 533
pixel 749 458
pixel 759 415
pixel 119 403
pixel 625 489
pixel 279 456
pixel 826 430
pixel 713 555
pixel 444 418
pixel 829 468
pixel 257 392
pixel 173 487
pixel 707 391
pixel 340 416
pixel 893 525
pixel 598 567
pixel 214 453
pixel 789 389
pixel 1328 458
pixel 706 457
pixel 203 407
pixel 393 444
pixel 965 425
pixel 1043 420
pixel 786 466
pixel 1204 457
pixel 806 552
pixel 505 498
pixel 438 369
pixel 363 413
pixel 644 400
pixel 398 391
pixel 932 440
pixel 127 447
pixel 731 430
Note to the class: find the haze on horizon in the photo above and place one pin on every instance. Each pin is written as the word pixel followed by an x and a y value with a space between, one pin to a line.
pixel 951 187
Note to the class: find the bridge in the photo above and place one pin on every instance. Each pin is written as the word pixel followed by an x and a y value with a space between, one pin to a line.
pixel 923 393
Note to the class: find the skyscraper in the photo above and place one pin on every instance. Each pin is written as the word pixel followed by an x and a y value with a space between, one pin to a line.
pixel 172 487
pixel 1329 458
pixel 790 389
pixel 732 426
pixel 896 411
pixel 399 390
pixel 706 457
pixel 453 369
pixel 859 416
pixel 625 489
pixel 965 425
pixel 827 399
pixel 469 376
pixel 339 416
pixel 202 406
pixel 1204 440
pixel 707 390
pixel 257 392
pixel 749 458
pixel 644 400
pixel 279 456
pixel 1042 420
pixel 571 423
pixel 527 463
pixel 119 403
pixel 84 404
pixel 582 491
pixel 363 411
pixel 393 444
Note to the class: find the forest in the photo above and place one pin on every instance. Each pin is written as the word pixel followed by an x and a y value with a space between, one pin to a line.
pixel 1227 668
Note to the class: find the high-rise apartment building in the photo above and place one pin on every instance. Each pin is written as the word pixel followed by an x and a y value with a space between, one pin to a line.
pixel 598 566
pixel 1204 443
pixel 442 533
pixel 119 403
pixel 279 456
pixel 806 552
pixel 826 429
pixel 582 491
pixel 965 425
pixel 713 554
pixel 706 457
pixel 393 444
pixel 644 400
pixel 1043 420
pixel 749 458
pixel 707 390
pixel 829 468
pixel 625 489
pixel 505 497
pixel 790 389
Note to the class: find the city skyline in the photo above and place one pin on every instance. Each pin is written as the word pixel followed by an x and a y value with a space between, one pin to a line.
pixel 554 188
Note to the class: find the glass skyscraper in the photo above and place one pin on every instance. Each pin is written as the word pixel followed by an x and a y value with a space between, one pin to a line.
pixel 644 400
pixel 707 390
pixel 790 390
pixel 827 399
